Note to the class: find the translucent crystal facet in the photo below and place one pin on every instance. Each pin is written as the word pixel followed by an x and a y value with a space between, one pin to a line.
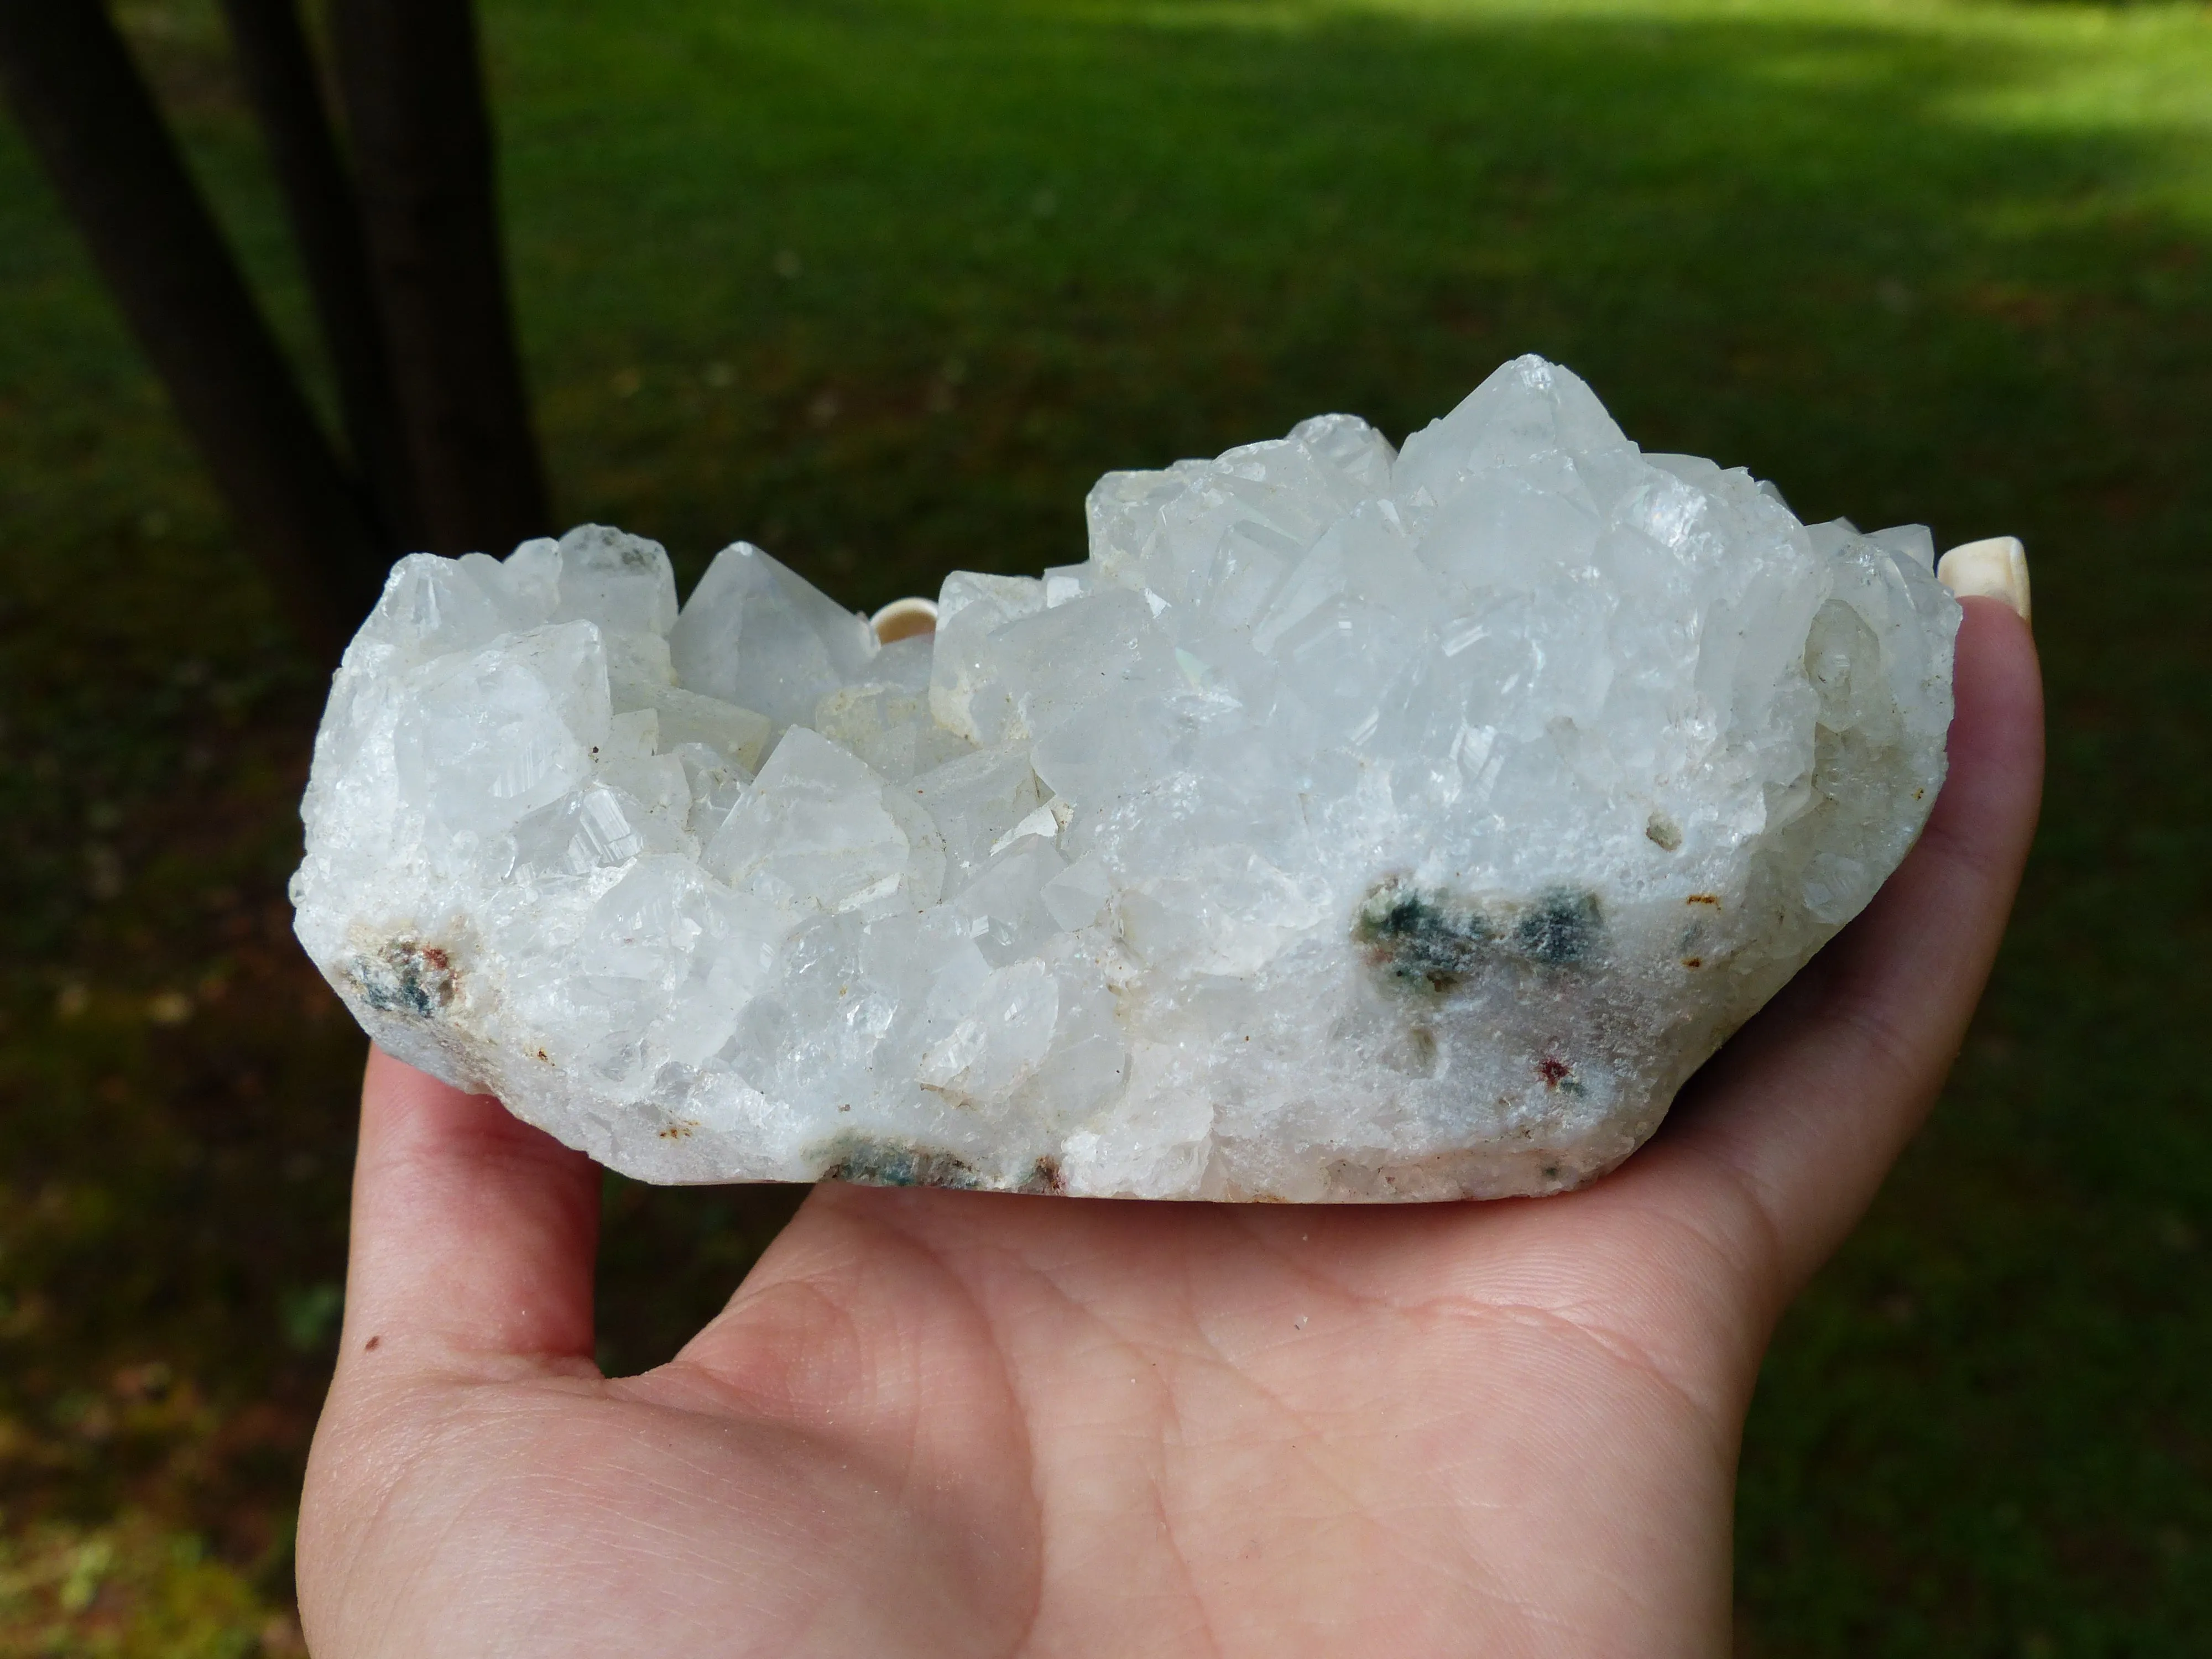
pixel 1351 825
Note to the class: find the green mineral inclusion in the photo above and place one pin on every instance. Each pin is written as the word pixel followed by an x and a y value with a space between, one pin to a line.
pixel 1429 941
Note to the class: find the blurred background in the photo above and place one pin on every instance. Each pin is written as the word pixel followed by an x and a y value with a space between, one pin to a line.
pixel 883 285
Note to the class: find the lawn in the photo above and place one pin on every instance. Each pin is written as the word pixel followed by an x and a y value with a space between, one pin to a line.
pixel 883 285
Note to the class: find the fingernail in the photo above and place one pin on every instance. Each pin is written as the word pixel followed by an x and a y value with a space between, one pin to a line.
pixel 1996 569
pixel 903 619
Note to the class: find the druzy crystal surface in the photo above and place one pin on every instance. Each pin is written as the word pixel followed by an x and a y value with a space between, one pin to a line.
pixel 1351 825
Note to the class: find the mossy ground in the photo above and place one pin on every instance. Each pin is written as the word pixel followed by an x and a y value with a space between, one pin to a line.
pixel 882 284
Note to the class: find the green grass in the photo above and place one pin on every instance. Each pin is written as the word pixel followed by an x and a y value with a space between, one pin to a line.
pixel 883 284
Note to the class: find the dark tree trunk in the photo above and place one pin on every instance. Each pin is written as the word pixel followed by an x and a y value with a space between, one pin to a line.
pixel 279 70
pixel 94 125
pixel 412 85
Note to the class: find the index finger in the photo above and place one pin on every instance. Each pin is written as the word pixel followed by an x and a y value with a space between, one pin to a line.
pixel 1803 1112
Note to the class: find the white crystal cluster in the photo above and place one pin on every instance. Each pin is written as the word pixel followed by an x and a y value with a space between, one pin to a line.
pixel 1351 824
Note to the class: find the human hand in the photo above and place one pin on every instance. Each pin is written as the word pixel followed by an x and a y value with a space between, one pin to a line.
pixel 939 1423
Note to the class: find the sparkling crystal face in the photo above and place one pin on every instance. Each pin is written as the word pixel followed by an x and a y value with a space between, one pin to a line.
pixel 1349 826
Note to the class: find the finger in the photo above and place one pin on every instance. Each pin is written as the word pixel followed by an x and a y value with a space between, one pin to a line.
pixel 473 1233
pixel 1806 1110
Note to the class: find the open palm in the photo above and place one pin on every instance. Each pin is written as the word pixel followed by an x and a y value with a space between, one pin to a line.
pixel 952 1423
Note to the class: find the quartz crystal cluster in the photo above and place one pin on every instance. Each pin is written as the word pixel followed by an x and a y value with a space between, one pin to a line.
pixel 1351 824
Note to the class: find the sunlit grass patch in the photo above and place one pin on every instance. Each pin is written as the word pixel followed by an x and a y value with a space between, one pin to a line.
pixel 131 1589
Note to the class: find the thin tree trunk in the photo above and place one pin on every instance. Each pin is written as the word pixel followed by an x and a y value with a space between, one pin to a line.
pixel 421 137
pixel 94 125
pixel 279 70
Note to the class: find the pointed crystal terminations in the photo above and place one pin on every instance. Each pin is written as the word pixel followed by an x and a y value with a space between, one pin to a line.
pixel 1350 826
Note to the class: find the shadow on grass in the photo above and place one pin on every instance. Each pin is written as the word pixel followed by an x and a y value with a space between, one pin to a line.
pixel 883 288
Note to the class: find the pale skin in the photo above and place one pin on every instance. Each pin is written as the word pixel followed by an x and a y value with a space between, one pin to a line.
pixel 937 1423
